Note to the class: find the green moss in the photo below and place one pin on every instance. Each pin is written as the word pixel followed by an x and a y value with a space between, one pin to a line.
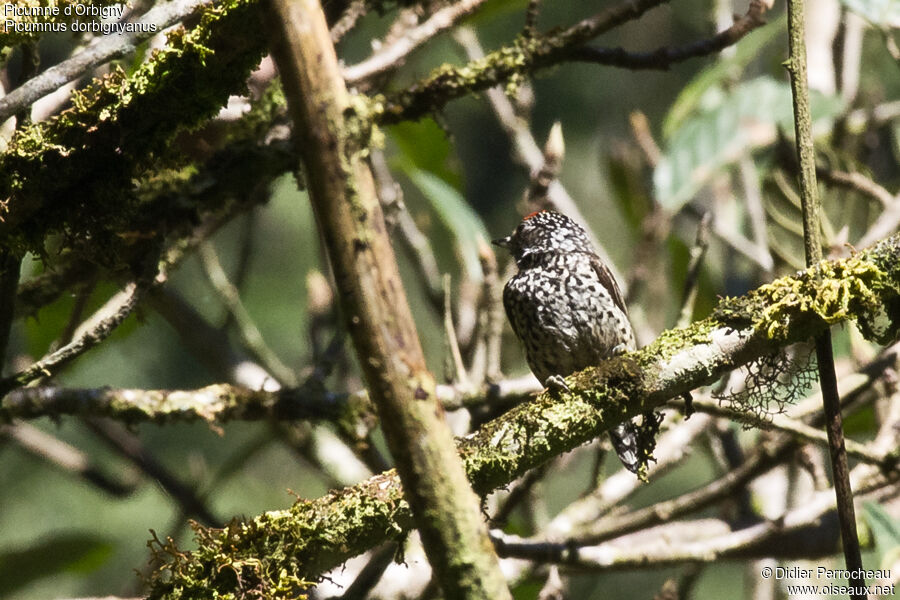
pixel 76 174
pixel 279 554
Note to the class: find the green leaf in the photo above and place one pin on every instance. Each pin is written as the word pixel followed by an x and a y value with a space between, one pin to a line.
pixel 425 145
pixel 886 531
pixel 882 13
pixel 722 71
pixel 72 552
pixel 732 125
pixel 455 214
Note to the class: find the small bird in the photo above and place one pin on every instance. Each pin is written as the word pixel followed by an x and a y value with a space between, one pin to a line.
pixel 566 308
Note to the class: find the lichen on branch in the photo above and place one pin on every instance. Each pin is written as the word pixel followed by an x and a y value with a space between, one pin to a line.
pixel 355 519
pixel 833 291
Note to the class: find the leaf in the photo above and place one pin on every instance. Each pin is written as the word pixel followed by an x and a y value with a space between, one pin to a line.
pixel 721 71
pixel 455 214
pixel 886 531
pixel 735 123
pixel 81 553
pixel 881 13
pixel 425 145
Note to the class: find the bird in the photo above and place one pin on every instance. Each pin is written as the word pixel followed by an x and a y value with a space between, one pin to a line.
pixel 566 308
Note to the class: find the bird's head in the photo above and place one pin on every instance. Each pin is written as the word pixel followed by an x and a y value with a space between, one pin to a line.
pixel 545 232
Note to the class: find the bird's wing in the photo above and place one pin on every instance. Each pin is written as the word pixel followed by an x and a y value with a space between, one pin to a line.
pixel 608 281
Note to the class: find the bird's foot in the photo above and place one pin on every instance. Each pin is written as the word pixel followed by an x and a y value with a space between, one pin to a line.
pixel 619 350
pixel 556 382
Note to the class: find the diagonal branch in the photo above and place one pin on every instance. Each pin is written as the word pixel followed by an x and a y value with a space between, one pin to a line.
pixel 105 48
pixel 524 56
pixel 376 312
pixel 318 535
pixel 391 56
pixel 664 57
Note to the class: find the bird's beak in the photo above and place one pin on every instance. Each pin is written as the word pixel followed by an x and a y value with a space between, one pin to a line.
pixel 502 242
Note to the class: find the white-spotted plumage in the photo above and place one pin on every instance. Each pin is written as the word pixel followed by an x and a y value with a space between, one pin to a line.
pixel 565 306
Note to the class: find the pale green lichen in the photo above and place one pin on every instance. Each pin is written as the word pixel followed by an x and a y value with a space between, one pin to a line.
pixel 832 291
pixel 278 555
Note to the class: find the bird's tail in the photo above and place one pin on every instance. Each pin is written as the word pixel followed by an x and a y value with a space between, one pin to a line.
pixel 624 438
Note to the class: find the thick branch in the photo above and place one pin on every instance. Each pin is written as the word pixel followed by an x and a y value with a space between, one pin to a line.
pixel 64 173
pixel 375 308
pixel 217 403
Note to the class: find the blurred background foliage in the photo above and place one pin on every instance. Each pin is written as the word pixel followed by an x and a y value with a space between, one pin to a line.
pixel 720 125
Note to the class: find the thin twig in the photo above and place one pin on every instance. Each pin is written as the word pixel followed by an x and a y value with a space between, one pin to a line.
pixel 247 329
pixel 664 57
pixel 813 245
pixel 31 62
pixel 130 447
pixel 102 324
pixel 537 197
pixel 458 368
pixel 356 10
pixel 370 574
pixel 492 308
pixel 392 56
pixel 397 215
pixel 884 225
pixel 858 182
pixel 518 493
pixel 531 15
pixel 65 456
pixel 692 280
pixel 9 284
pixel 755 208
pixel 640 130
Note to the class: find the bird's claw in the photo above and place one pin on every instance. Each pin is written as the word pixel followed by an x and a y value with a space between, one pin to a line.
pixel 556 382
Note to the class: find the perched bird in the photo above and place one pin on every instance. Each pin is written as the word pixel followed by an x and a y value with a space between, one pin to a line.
pixel 566 308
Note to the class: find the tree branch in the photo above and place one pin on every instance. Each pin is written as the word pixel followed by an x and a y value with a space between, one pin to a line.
pixel 104 49
pixel 812 237
pixel 663 58
pixel 524 56
pixel 392 56
pixel 376 310
pixel 318 535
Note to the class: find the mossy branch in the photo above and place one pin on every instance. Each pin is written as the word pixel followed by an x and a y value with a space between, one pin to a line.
pixel 76 174
pixel 375 308
pixel 314 536
pixel 69 174
pixel 218 403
